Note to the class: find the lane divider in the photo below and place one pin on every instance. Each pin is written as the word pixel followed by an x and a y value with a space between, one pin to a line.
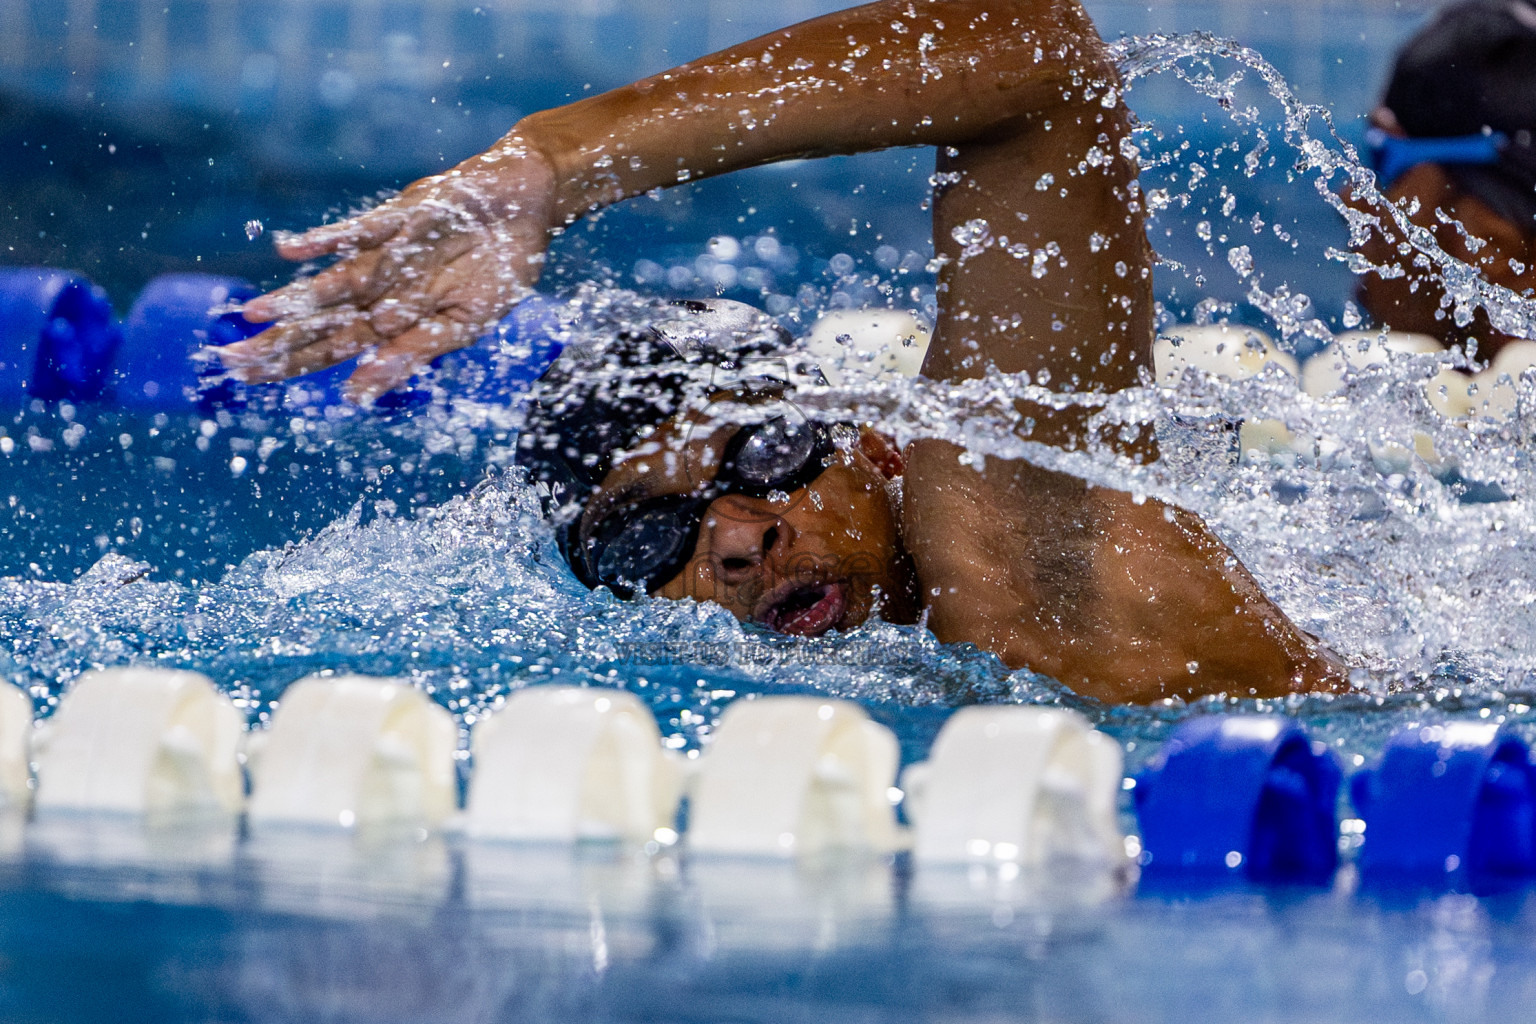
pixel 1247 798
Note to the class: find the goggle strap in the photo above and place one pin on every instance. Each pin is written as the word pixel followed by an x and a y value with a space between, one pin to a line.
pixel 1392 156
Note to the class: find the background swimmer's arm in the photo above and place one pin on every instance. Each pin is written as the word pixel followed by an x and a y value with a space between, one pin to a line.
pixel 425 272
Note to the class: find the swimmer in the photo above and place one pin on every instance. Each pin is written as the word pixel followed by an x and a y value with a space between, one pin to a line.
pixel 1454 140
pixel 1120 597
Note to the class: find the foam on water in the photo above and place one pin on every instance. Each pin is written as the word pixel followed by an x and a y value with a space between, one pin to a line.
pixel 457 585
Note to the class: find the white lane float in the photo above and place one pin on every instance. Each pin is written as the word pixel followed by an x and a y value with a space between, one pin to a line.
pixel 787 776
pixel 353 751
pixel 869 341
pixel 1353 351
pixel 15 730
pixel 1488 394
pixel 1021 785
pixel 1225 350
pixel 144 741
pixel 1232 352
pixel 564 763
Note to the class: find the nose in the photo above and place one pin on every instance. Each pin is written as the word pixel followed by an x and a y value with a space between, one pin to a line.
pixel 744 534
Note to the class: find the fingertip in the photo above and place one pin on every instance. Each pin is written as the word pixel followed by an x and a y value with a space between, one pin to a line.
pixel 258 310
pixel 365 231
pixel 379 373
pixel 298 248
pixel 237 366
pixel 361 391
pixel 243 372
pixel 235 354
pixel 317 241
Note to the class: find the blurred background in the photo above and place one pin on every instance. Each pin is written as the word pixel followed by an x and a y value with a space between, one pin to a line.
pixel 144 136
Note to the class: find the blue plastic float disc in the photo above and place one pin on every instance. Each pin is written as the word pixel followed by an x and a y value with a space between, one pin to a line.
pixel 174 318
pixel 1248 796
pixel 1446 800
pixel 57 336
pixel 512 356
pixel 499 367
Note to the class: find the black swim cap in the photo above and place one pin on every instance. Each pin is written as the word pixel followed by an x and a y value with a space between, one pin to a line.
pixel 635 364
pixel 1473 69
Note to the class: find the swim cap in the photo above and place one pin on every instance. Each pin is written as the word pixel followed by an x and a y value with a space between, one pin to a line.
pixel 635 364
pixel 1471 70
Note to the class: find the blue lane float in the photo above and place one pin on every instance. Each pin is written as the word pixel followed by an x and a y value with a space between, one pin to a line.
pixel 57 336
pixel 1446 803
pixel 1243 798
pixel 514 354
pixel 60 342
pixel 173 319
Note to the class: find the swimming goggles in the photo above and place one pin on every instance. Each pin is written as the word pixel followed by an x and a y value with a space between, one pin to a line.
pixel 1392 156
pixel 639 546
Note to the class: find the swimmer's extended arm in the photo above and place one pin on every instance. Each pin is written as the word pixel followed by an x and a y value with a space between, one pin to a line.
pixel 425 272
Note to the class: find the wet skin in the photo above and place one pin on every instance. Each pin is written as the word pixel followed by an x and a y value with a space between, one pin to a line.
pixel 1121 598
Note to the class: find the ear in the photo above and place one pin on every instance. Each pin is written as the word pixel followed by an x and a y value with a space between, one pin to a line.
pixel 1386 120
pixel 882 451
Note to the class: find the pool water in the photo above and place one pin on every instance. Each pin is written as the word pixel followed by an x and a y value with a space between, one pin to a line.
pixel 527 935
pixel 261 547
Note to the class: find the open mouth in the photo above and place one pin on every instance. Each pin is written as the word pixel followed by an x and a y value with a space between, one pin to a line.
pixel 808 610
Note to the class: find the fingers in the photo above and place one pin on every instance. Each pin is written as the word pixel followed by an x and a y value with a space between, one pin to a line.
pixel 294 352
pixel 348 308
pixel 356 281
pixel 422 275
pixel 365 231
pixel 395 362
pixel 361 278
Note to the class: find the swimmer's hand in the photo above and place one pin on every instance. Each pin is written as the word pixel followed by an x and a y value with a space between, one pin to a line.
pixel 425 273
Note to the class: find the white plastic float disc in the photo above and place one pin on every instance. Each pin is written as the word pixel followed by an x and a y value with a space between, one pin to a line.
pixel 1354 351
pixel 868 341
pixel 1234 353
pixel 1016 784
pixel 1229 351
pixel 15 730
pixel 141 741
pixel 794 775
pixel 353 751
pixel 565 763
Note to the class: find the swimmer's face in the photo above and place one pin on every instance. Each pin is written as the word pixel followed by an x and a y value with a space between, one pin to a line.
pixel 814 559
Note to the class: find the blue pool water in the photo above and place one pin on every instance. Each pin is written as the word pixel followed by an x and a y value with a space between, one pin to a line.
pixel 259 548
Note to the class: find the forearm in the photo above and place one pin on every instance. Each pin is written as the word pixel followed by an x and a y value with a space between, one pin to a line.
pixel 905 73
